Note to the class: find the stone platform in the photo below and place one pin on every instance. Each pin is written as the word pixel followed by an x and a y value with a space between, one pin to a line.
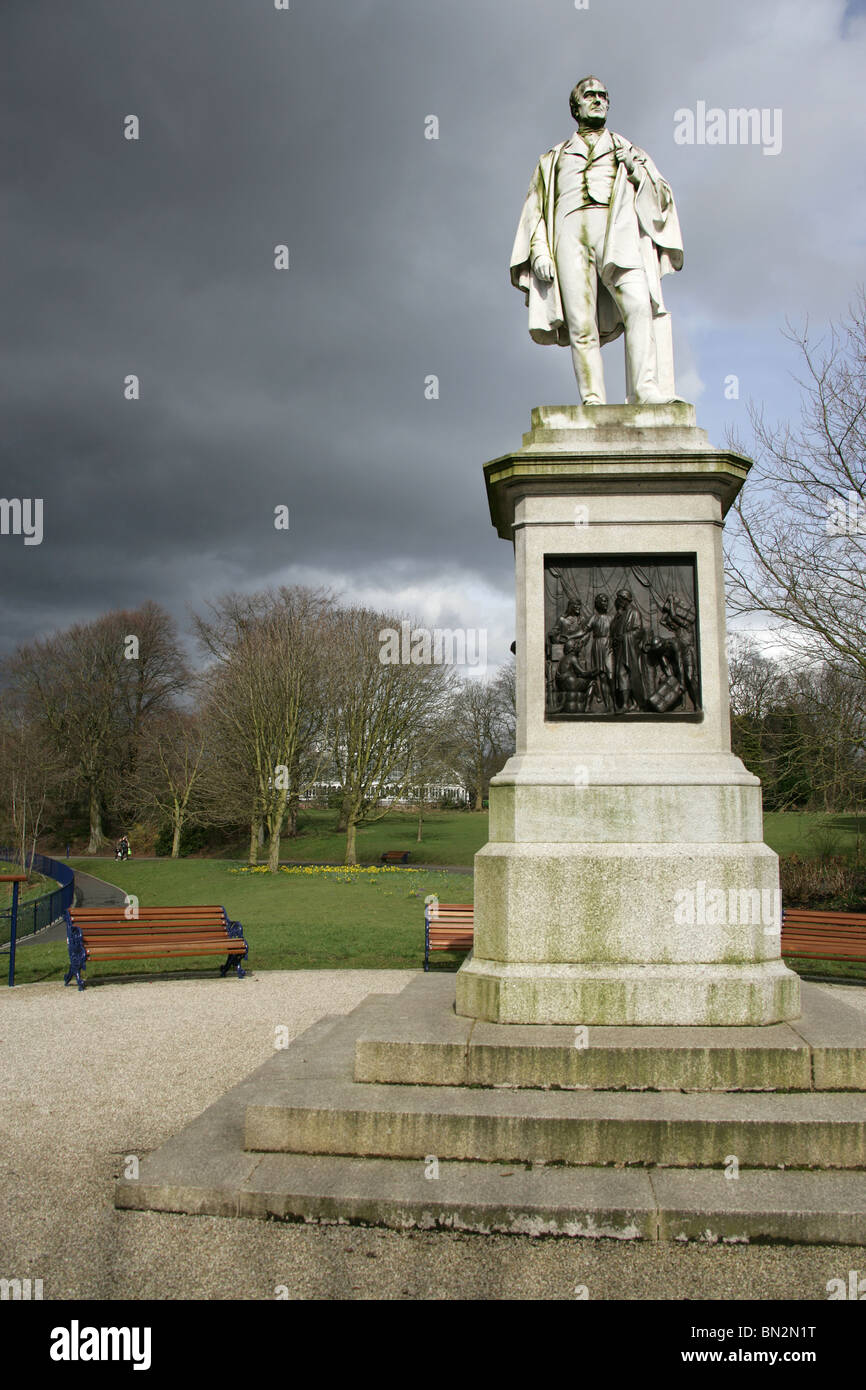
pixel 404 1114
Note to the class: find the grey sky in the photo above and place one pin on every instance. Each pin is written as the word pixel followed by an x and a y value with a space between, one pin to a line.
pixel 306 387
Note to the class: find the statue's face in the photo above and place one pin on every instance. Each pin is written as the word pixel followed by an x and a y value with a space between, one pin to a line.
pixel 592 105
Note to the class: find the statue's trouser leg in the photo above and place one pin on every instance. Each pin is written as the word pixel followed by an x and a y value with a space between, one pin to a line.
pixel 664 354
pixel 579 246
pixel 631 292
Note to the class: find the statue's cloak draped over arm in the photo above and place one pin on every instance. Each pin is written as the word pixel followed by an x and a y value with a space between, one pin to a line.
pixel 642 230
pixel 535 236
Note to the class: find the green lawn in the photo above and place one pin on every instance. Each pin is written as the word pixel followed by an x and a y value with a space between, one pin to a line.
pixel 454 837
pixel 292 921
pixel 38 886
pixel 809 834
pixel 448 837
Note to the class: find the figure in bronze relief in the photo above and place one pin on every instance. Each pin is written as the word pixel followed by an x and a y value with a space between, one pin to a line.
pixel 601 653
pixel 628 639
pixel 678 616
pixel 571 624
pixel 572 679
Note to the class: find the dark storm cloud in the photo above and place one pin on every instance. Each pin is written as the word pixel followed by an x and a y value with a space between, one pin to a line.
pixel 306 387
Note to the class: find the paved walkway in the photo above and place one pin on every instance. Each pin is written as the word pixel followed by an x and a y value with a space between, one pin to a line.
pixel 90 1080
pixel 96 892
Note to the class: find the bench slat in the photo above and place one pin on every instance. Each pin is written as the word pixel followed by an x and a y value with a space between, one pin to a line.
pixel 119 939
pixel 147 952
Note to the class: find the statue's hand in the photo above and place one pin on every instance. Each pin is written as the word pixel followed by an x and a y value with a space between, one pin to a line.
pixel 542 269
pixel 625 155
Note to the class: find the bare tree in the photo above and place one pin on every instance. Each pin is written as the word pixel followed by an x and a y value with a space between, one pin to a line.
pixel 228 790
pixel 29 778
pixel 168 769
pixel 384 716
pixel 831 703
pixel 800 727
pixel 797 549
pixel 89 690
pixel 481 731
pixel 265 707
pixel 506 684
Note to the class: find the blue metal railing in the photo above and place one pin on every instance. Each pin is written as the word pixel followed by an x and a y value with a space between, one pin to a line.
pixel 40 912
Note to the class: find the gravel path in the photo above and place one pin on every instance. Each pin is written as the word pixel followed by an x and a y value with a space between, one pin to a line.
pixel 90 1078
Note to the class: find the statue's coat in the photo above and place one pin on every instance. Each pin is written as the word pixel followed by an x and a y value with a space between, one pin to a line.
pixel 642 230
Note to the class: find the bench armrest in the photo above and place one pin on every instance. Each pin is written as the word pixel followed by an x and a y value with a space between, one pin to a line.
pixel 236 929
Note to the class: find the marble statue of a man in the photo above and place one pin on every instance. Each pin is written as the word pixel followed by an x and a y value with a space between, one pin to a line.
pixel 598 231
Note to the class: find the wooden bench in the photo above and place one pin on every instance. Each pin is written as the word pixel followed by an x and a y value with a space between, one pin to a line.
pixel 448 927
pixel 821 934
pixel 107 933
pixel 395 856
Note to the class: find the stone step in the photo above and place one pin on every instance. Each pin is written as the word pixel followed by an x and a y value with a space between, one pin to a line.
pixel 335 1116
pixel 632 1204
pixel 419 1040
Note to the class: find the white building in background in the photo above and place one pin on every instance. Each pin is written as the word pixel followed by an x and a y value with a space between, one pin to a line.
pixel 430 792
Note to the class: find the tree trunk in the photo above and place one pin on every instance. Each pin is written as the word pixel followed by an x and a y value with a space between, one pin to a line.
pixel 97 839
pixel 274 851
pixel 479 800
pixel 420 823
pixel 275 830
pixel 343 818
pixel 255 830
pixel 175 840
pixel 351 856
pixel 274 826
pixel 292 821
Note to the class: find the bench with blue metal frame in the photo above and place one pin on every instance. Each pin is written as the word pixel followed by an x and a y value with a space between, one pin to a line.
pixel 135 933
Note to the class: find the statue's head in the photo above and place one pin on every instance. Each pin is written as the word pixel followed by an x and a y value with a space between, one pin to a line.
pixel 623 599
pixel 601 603
pixel 590 102
pixel 573 609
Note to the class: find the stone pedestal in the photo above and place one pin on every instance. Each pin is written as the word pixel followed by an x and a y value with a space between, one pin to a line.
pixel 626 881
